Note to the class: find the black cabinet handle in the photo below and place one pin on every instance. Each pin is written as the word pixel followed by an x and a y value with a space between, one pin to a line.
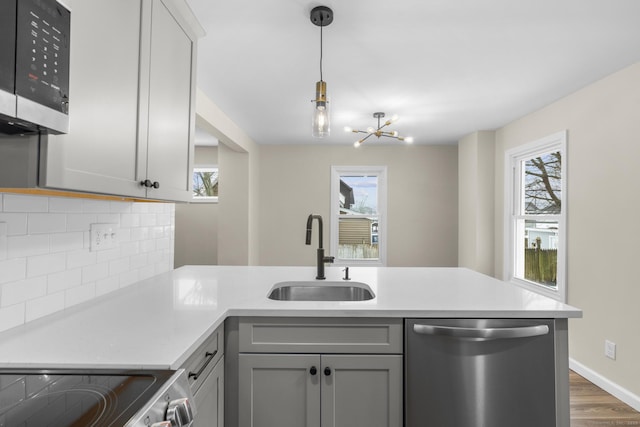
pixel 313 370
pixel 208 357
pixel 147 183
pixel 327 371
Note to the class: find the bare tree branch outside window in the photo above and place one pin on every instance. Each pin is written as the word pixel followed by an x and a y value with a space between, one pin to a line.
pixel 543 184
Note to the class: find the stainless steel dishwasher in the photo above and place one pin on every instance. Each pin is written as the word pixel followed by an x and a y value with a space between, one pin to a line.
pixel 479 373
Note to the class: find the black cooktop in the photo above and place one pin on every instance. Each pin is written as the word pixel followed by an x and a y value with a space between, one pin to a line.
pixel 66 398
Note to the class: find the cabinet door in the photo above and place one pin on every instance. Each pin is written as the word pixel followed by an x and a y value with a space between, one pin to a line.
pixel 279 390
pixel 171 114
pixel 361 391
pixel 209 398
pixel 100 152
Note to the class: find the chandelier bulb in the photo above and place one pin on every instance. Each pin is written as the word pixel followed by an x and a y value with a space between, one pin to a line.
pixel 370 130
pixel 409 139
pixel 348 129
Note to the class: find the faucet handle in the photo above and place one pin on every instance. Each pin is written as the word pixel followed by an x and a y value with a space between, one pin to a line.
pixel 346 274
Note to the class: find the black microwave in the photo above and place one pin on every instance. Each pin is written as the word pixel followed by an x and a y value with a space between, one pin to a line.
pixel 34 66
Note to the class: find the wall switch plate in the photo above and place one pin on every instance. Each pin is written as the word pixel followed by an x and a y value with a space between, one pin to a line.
pixel 103 237
pixel 610 349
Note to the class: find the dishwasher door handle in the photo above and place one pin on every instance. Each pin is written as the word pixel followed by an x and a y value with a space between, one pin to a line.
pixel 482 333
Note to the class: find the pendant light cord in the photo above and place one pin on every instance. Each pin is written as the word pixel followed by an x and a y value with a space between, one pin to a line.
pixel 321 25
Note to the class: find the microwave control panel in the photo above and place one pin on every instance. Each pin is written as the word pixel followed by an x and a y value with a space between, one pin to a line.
pixel 42 53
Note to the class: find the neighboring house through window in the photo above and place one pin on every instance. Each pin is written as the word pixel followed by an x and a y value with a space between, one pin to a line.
pixel 535 213
pixel 358 214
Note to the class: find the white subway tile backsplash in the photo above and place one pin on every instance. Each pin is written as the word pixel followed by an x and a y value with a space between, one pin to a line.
pixel 129 220
pixel 91 273
pixel 42 306
pixel 46 223
pixel 109 254
pixel 140 233
pixel 23 290
pixel 95 206
pixel 22 203
pixel 107 285
pixel 12 316
pixel 81 258
pixel 119 266
pixel 45 262
pixel 22 246
pixel 119 207
pixel 63 280
pixel 111 218
pixel 16 223
pixel 65 242
pixel 79 294
pixel 129 278
pixel 12 270
pixel 129 248
pixel 3 240
pixel 148 220
pixel 65 204
pixel 80 222
pixel 139 261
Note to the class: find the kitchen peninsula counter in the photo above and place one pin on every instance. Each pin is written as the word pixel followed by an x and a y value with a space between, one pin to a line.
pixel 157 323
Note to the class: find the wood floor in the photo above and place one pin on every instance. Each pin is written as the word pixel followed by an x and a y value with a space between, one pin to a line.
pixel 593 407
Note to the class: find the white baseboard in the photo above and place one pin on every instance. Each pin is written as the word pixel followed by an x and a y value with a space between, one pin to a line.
pixel 607 385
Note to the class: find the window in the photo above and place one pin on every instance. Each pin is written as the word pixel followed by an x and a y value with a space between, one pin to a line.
pixel 535 250
pixel 358 214
pixel 205 184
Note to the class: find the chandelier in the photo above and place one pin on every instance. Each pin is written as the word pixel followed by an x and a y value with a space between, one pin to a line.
pixel 321 16
pixel 378 132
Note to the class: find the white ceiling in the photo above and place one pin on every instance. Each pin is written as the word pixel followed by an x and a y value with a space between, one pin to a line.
pixel 446 67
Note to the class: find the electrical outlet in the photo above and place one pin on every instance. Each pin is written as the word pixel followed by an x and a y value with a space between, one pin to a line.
pixel 610 349
pixel 103 237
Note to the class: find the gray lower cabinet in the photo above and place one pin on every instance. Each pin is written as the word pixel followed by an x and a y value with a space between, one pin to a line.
pixel 205 371
pixel 209 398
pixel 317 372
pixel 294 390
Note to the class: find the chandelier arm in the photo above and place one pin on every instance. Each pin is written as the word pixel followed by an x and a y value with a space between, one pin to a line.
pixel 365 138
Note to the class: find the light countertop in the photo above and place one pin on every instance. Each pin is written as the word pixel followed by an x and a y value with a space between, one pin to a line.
pixel 158 322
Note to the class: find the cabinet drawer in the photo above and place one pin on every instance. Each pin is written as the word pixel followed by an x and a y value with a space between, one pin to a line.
pixel 319 335
pixel 202 361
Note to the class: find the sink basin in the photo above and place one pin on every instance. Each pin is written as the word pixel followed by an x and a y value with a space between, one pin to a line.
pixel 321 291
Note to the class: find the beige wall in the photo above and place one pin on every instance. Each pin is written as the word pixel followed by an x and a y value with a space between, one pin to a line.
pixel 422 200
pixel 603 165
pixel 238 194
pixel 475 202
pixel 196 234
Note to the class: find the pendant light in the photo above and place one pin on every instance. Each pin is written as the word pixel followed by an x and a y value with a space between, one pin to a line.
pixel 321 16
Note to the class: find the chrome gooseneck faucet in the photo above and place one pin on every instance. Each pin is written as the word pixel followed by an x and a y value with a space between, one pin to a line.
pixel 321 259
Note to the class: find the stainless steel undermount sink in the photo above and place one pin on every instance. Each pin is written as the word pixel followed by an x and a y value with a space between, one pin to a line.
pixel 321 291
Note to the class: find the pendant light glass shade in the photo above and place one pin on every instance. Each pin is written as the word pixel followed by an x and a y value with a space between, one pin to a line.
pixel 320 126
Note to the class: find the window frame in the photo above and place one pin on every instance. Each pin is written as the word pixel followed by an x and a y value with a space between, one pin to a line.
pixel 203 168
pixel 512 199
pixel 381 173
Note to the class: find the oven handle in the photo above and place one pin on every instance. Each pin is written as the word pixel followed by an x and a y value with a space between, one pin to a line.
pixel 482 333
pixel 208 358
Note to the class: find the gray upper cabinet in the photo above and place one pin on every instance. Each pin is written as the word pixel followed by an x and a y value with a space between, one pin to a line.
pixel 132 109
